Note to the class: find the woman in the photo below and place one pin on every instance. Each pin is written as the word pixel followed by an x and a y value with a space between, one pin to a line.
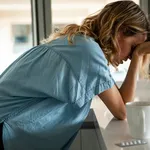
pixel 45 94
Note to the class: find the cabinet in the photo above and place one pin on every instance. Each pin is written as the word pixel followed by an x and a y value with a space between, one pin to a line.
pixel 87 137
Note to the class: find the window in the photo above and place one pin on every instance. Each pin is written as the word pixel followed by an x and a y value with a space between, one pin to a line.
pixel 15 30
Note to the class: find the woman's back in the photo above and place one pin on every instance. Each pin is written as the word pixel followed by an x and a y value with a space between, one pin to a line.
pixel 45 95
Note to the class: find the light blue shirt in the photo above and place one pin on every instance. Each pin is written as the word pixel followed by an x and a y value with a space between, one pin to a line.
pixel 45 94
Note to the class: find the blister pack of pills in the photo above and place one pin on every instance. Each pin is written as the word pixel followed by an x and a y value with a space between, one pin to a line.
pixel 132 143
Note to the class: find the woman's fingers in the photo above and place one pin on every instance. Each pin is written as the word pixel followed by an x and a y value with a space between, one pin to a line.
pixel 143 49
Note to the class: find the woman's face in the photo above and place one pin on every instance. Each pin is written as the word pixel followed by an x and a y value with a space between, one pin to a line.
pixel 127 45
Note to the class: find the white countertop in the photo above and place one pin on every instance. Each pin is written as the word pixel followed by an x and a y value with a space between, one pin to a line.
pixel 114 131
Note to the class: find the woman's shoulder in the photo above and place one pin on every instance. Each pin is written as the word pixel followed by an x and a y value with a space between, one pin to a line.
pixel 81 46
pixel 85 40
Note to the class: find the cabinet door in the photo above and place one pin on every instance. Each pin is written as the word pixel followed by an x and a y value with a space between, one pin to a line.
pixel 89 140
pixel 86 139
pixel 76 145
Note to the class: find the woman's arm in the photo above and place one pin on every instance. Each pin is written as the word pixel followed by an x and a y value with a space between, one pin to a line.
pixel 115 98
pixel 127 89
pixel 114 102
pixel 129 84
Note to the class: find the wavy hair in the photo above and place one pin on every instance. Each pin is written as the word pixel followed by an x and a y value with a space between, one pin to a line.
pixel 104 26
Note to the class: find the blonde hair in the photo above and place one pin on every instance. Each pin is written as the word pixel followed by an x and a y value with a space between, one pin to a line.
pixel 104 26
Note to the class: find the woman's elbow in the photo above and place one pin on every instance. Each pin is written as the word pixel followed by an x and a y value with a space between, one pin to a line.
pixel 121 116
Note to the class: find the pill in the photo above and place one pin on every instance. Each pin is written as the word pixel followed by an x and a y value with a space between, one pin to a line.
pixel 143 142
pixel 131 143
pixel 139 141
pixel 127 143
pixel 122 144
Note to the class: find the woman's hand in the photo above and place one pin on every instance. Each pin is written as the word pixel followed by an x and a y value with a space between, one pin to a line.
pixel 142 49
pixel 142 53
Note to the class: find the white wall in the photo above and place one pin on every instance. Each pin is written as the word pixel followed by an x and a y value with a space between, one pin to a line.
pixel 9 17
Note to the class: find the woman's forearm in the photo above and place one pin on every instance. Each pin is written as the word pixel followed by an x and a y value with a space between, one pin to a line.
pixel 127 90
